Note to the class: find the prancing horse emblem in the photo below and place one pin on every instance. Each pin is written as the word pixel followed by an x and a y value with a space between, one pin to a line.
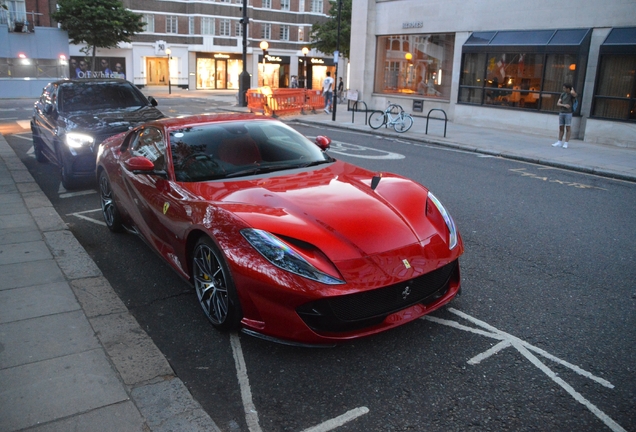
pixel 406 263
pixel 166 206
pixel 406 292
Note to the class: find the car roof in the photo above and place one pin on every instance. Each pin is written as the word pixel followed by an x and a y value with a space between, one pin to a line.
pixel 91 80
pixel 175 122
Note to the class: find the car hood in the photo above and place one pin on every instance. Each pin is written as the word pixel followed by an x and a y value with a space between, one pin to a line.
pixel 108 122
pixel 333 208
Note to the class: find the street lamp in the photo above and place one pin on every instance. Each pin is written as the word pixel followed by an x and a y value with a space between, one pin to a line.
pixel 168 52
pixel 305 51
pixel 334 103
pixel 264 45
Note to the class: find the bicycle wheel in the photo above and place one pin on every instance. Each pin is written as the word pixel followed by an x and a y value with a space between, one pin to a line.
pixel 377 119
pixel 403 124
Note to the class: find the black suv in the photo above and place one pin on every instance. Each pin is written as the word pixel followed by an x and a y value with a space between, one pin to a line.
pixel 72 117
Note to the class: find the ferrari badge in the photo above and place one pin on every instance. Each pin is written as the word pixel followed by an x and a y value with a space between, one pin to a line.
pixel 166 206
pixel 404 261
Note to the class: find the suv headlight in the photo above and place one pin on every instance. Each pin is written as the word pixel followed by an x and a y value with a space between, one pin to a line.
pixel 282 256
pixel 78 140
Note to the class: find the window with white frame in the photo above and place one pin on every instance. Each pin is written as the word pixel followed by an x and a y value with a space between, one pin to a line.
pixel 149 23
pixel 238 29
pixel 207 26
pixel 267 4
pixel 172 24
pixel 284 5
pixel 225 27
pixel 266 31
pixel 191 25
pixel 284 32
pixel 316 6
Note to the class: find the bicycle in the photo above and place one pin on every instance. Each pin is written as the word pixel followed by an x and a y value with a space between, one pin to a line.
pixel 394 116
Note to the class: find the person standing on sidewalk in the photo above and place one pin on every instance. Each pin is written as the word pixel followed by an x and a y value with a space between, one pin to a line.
pixel 327 92
pixel 565 103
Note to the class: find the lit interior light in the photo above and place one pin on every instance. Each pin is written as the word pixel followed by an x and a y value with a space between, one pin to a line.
pixel 22 55
pixel 573 67
pixel 439 77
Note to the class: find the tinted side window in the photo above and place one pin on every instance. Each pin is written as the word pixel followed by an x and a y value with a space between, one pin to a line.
pixel 150 144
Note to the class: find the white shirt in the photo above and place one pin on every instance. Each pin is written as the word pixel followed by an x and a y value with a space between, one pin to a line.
pixel 327 84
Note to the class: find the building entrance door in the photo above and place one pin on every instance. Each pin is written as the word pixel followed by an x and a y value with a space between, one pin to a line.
pixel 157 71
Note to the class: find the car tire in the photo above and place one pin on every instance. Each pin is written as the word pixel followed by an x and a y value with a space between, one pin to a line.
pixel 37 147
pixel 214 286
pixel 68 181
pixel 111 214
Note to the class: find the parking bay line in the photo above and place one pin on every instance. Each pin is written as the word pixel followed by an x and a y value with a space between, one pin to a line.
pixel 251 415
pixel 524 349
pixel 80 215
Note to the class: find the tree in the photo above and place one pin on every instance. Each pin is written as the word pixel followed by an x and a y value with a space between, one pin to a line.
pixel 325 34
pixel 97 23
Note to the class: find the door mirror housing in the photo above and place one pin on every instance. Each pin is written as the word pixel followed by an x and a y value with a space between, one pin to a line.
pixel 323 142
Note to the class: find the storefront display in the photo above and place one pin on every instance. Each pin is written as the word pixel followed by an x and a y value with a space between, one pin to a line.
pixel 218 71
pixel 416 64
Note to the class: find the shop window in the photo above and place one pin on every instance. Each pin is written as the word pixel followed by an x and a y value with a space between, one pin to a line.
pixel 420 64
pixel 615 90
pixel 522 69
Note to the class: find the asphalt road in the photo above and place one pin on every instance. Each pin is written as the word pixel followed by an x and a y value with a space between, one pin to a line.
pixel 542 338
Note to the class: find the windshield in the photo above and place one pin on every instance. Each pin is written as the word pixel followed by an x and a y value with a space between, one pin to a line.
pixel 91 96
pixel 235 149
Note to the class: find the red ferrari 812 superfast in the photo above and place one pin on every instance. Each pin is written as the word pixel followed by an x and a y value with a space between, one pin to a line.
pixel 277 237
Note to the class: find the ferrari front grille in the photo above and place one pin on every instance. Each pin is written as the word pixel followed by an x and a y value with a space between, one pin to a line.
pixel 365 309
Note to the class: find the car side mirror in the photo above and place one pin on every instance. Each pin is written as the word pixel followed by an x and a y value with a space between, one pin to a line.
pixel 139 165
pixel 153 101
pixel 323 142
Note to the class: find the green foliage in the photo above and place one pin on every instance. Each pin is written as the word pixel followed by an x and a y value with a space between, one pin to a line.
pixel 325 35
pixel 97 23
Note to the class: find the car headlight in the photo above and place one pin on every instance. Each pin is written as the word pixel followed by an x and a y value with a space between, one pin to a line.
pixel 77 140
pixel 282 256
pixel 452 238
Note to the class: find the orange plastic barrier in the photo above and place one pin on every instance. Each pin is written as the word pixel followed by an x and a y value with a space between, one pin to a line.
pixel 314 100
pixel 257 101
pixel 284 101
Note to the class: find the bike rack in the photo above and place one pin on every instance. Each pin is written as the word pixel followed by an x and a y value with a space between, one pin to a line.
pixel 354 108
pixel 435 118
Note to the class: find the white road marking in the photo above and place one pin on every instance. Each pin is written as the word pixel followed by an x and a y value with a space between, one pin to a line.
pixel 80 215
pixel 78 193
pixel 24 124
pixel 28 137
pixel 251 415
pixel 339 421
pixel 355 150
pixel 524 348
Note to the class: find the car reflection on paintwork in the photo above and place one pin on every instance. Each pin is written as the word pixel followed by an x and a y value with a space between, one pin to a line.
pixel 72 117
